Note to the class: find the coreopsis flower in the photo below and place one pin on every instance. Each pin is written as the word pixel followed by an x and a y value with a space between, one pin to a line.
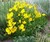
pixel 23 11
pixel 24 22
pixel 26 15
pixel 21 6
pixel 19 21
pixel 30 19
pixel 35 7
pixel 23 29
pixel 11 30
pixel 8 31
pixel 18 14
pixel 15 8
pixel 17 3
pixel 11 24
pixel 35 11
pixel 21 26
pixel 30 6
pixel 43 14
pixel 38 15
pixel 9 15
pixel 10 9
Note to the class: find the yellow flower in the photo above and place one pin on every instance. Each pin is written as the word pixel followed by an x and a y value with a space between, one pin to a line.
pixel 24 22
pixel 21 6
pixel 26 15
pixel 23 11
pixel 10 9
pixel 10 22
pixel 38 14
pixel 24 4
pixel 23 29
pixel 13 30
pixel 9 15
pixel 8 31
pixel 18 14
pixel 35 7
pixel 30 19
pixel 19 21
pixel 21 26
pixel 15 8
pixel 13 23
pixel 10 28
pixel 17 3
pixel 43 14
pixel 30 6
pixel 35 11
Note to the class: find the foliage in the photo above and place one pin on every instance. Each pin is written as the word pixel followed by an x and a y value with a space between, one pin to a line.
pixel 24 39
pixel 39 38
pixel 42 37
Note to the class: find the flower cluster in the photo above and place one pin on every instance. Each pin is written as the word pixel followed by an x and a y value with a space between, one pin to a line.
pixel 11 25
pixel 24 15
pixel 37 13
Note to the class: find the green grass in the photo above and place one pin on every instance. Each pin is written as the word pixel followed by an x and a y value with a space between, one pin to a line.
pixel 4 6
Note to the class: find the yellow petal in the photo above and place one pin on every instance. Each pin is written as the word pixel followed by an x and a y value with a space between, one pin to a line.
pixel 38 15
pixel 23 29
pixel 30 6
pixel 15 8
pixel 8 31
pixel 23 10
pixel 13 30
pixel 26 15
pixel 19 21
pixel 10 9
pixel 43 14
pixel 35 7
pixel 21 26
pixel 24 22
pixel 30 19
pixel 9 15
pixel 18 14
pixel 13 23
